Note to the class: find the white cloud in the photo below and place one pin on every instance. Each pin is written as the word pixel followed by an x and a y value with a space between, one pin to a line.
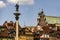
pixel 12 1
pixel 21 2
pixel 2 4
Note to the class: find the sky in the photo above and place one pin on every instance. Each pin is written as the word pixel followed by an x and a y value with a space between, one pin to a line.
pixel 29 10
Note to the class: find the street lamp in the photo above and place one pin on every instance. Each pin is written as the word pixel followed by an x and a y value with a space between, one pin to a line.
pixel 17 17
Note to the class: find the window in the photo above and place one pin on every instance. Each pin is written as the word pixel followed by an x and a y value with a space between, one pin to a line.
pixel 9 39
pixel 29 38
pixel 0 38
pixel 58 28
pixel 2 29
pixel 4 39
pixel 44 36
pixel 44 39
pixel 53 28
pixel 58 35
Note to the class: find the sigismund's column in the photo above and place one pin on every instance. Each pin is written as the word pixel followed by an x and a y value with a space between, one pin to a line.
pixel 17 17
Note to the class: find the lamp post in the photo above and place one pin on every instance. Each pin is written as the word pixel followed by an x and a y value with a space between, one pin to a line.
pixel 17 17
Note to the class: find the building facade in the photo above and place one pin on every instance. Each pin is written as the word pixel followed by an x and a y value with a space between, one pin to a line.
pixel 47 28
